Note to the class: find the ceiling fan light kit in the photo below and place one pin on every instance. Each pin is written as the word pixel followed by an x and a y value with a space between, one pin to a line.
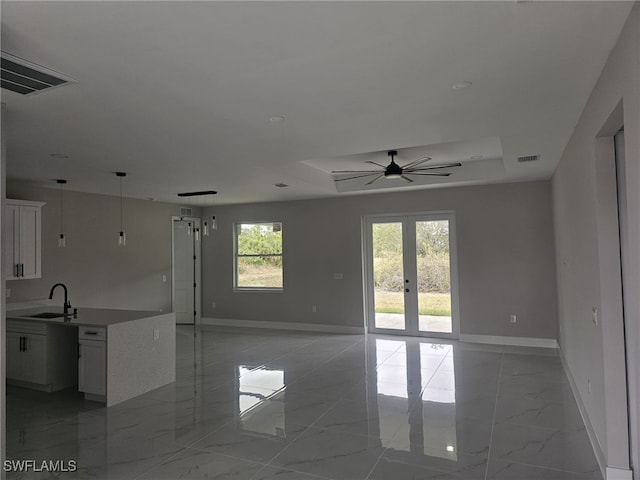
pixel 395 171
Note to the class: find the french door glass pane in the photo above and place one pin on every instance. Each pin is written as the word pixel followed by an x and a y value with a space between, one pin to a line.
pixel 434 276
pixel 388 275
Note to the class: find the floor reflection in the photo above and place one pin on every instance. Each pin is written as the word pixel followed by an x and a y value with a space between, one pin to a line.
pixel 404 368
pixel 261 400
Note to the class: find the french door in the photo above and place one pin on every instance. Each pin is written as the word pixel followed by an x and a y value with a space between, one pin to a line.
pixel 411 278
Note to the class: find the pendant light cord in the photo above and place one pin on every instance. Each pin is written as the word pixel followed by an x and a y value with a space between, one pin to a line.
pixel 61 209
pixel 121 210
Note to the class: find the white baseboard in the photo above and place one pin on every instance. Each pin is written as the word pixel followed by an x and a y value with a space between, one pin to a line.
pixel 305 327
pixel 511 341
pixel 597 450
pixel 618 474
pixel 608 473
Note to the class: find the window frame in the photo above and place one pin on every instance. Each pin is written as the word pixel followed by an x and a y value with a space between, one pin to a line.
pixel 236 255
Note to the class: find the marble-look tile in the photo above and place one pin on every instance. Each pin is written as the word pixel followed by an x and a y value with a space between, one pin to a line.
pixel 331 454
pixel 416 464
pixel 435 428
pixel 538 413
pixel 536 387
pixel 380 419
pixel 556 449
pixel 500 470
pixel 346 406
pixel 277 473
pixel 261 444
pixel 198 464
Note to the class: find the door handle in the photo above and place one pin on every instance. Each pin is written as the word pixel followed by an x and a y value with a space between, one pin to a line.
pixel 17 270
pixel 22 269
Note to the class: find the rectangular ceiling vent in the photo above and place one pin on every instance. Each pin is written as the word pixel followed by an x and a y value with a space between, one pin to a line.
pixel 24 77
pixel 529 158
pixel 186 212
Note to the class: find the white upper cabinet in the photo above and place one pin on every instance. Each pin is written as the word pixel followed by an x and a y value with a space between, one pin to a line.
pixel 22 252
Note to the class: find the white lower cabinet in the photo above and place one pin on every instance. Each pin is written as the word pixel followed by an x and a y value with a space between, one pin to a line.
pixel 92 361
pixel 40 356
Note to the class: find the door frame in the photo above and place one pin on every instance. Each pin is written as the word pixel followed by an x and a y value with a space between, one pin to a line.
pixel 367 261
pixel 197 267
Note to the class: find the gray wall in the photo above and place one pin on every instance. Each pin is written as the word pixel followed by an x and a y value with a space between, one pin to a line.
pixel 3 416
pixel 587 242
pixel 505 256
pixel 97 272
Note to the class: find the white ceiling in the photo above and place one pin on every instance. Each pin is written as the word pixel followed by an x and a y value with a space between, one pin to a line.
pixel 179 94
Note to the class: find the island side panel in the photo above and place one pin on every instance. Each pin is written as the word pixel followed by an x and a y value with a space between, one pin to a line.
pixel 137 361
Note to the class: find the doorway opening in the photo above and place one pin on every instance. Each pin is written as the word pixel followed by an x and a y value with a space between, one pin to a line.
pixel 411 279
pixel 186 292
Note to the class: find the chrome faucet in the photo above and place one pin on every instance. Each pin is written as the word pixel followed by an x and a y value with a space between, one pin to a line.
pixel 67 303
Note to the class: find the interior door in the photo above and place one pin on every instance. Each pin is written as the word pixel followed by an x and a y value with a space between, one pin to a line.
pixel 411 275
pixel 185 248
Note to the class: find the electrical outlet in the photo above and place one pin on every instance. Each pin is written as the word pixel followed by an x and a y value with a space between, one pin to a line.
pixel 213 304
pixel 337 276
pixel 164 278
pixel 156 334
pixel 594 316
pixel 313 309
pixel 7 292
pixel 513 318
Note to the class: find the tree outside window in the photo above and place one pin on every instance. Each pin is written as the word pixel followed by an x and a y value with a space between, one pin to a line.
pixel 258 259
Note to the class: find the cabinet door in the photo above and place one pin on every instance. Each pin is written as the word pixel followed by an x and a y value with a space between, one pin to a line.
pixel 29 242
pixel 11 232
pixel 35 359
pixel 15 359
pixel 92 369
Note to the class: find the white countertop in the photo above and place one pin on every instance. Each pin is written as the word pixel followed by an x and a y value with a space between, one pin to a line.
pixel 91 317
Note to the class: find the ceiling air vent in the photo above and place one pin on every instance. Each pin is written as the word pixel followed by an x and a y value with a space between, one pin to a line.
pixel 528 158
pixel 186 212
pixel 26 78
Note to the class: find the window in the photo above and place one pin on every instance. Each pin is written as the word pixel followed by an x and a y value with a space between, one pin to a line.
pixel 258 256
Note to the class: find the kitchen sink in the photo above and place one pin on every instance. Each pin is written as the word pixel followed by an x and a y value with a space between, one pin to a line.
pixel 46 315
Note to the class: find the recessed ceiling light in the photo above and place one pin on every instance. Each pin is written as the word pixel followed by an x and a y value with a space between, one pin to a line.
pixel 276 119
pixel 58 155
pixel 461 85
pixel 280 185
pixel 476 157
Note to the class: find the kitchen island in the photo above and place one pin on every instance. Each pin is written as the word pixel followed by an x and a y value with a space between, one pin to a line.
pixel 120 353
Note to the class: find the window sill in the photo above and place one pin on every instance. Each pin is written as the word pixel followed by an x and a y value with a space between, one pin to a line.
pixel 257 290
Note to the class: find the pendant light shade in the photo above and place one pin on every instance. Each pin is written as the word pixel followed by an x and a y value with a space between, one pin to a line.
pixel 207 227
pixel 62 241
pixel 122 236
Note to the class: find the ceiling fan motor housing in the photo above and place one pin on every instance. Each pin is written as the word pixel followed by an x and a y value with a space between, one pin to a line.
pixel 393 170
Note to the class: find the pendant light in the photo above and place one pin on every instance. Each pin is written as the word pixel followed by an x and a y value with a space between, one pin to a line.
pixel 206 226
pixel 122 236
pixel 62 241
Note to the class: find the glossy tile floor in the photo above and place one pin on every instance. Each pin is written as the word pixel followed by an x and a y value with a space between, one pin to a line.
pixel 260 405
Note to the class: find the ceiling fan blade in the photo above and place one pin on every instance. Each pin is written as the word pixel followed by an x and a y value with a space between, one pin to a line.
pixel 415 163
pixel 406 178
pixel 355 171
pixel 357 176
pixel 435 167
pixel 374 163
pixel 430 174
pixel 375 179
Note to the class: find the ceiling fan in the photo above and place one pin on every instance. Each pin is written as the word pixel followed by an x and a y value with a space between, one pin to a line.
pixel 393 170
